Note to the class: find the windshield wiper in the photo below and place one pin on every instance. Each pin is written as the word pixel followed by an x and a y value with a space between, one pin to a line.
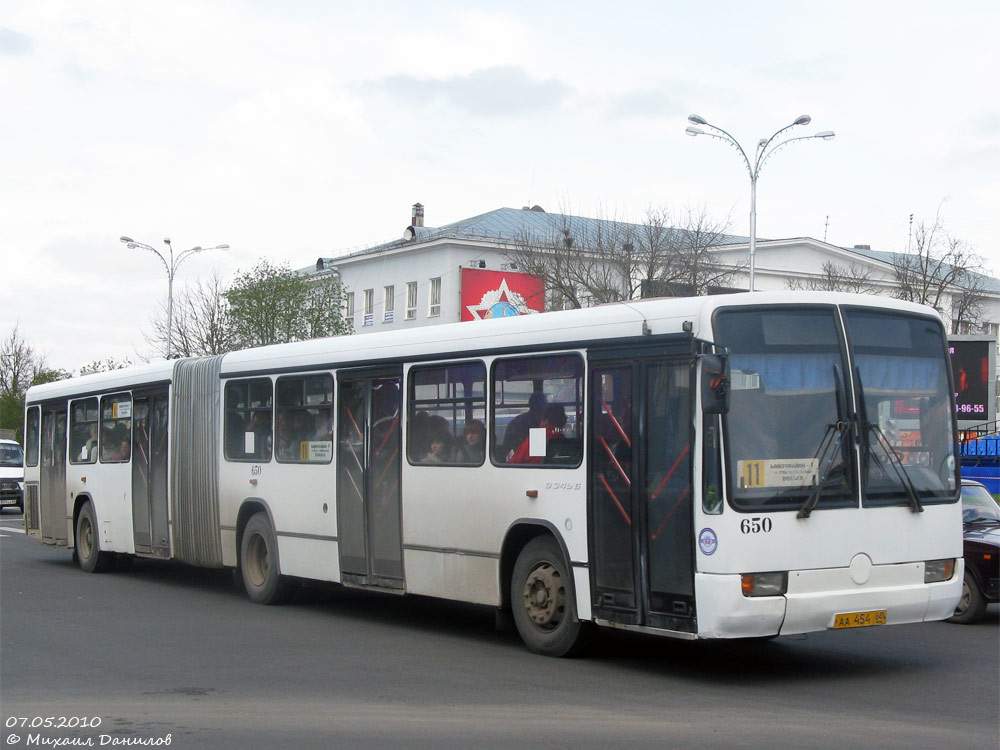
pixel 828 448
pixel 897 466
pixel 894 461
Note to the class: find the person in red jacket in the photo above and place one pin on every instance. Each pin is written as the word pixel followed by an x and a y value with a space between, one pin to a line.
pixel 553 420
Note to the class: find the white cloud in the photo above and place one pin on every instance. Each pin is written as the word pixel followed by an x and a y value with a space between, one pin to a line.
pixel 300 129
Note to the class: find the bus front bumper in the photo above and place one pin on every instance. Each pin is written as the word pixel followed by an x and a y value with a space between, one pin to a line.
pixel 815 598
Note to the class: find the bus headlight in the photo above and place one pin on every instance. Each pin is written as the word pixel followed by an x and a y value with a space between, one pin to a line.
pixel 939 570
pixel 764 584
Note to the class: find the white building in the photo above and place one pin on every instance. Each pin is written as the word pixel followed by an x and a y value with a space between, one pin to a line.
pixel 417 280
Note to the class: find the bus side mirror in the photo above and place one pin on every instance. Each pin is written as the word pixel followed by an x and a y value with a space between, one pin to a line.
pixel 714 384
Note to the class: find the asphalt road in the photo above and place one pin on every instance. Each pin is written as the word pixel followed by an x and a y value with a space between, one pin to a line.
pixel 166 650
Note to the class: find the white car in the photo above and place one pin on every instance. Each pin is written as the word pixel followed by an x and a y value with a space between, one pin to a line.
pixel 11 475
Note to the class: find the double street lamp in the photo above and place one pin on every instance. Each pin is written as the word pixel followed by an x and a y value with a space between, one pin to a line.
pixel 765 147
pixel 171 265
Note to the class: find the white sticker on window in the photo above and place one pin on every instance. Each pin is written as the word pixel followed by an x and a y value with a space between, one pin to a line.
pixel 778 472
pixel 319 450
pixel 248 442
pixel 536 441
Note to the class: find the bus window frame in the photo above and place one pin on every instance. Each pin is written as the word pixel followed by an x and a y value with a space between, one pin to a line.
pixel 277 408
pixel 883 502
pixel 847 386
pixel 581 408
pixel 101 442
pixel 226 411
pixel 28 442
pixel 74 450
pixel 411 408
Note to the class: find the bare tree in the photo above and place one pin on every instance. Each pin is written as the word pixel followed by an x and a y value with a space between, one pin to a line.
pixel 695 267
pixel 836 278
pixel 200 320
pixel 18 363
pixel 573 277
pixel 20 367
pixel 942 273
pixel 584 262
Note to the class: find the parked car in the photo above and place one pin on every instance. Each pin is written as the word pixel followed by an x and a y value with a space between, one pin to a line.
pixel 981 522
pixel 11 475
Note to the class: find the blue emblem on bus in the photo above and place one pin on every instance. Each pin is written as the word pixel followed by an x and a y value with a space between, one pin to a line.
pixel 708 541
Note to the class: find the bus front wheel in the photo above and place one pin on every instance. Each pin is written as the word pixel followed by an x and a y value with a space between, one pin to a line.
pixel 261 573
pixel 542 600
pixel 88 543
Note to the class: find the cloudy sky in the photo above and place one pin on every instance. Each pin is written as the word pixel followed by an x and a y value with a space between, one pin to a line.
pixel 306 128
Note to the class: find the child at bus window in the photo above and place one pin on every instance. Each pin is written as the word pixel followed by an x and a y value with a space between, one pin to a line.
pixel 439 449
pixel 472 449
pixel 122 452
pixel 553 420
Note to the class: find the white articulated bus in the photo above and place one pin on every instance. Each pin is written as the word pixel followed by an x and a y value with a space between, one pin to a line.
pixel 737 466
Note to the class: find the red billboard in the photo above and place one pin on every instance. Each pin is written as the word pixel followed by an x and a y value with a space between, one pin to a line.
pixel 500 294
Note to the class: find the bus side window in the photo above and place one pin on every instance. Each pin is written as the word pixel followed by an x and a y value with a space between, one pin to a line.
pixel 447 413
pixel 116 428
pixel 83 431
pixel 248 420
pixel 31 437
pixel 537 414
pixel 304 419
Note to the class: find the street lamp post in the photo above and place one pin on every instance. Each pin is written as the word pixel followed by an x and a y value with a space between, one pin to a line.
pixel 765 147
pixel 172 265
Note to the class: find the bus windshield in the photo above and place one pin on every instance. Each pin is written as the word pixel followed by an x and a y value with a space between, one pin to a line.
pixel 787 429
pixel 906 429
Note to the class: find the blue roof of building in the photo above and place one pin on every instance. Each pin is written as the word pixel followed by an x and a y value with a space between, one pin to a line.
pixel 513 224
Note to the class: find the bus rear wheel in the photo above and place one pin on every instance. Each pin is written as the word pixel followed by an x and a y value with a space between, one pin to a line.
pixel 88 543
pixel 542 601
pixel 259 566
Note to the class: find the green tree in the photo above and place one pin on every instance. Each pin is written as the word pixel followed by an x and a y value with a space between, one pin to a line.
pixel 106 365
pixel 271 304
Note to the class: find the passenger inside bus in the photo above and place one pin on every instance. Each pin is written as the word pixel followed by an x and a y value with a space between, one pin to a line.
pixel 438 452
pixel 517 430
pixel 89 451
pixel 424 430
pixel 472 448
pixel 261 427
pixel 122 452
pixel 553 420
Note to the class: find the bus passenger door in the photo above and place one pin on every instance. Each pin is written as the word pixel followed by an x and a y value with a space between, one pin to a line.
pixel 640 493
pixel 369 517
pixel 52 479
pixel 149 474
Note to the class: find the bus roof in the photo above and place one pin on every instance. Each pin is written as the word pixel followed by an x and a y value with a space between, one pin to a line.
pixel 621 320
pixel 153 372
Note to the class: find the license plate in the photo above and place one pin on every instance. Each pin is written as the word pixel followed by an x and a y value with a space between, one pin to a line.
pixel 8 501
pixel 859 619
